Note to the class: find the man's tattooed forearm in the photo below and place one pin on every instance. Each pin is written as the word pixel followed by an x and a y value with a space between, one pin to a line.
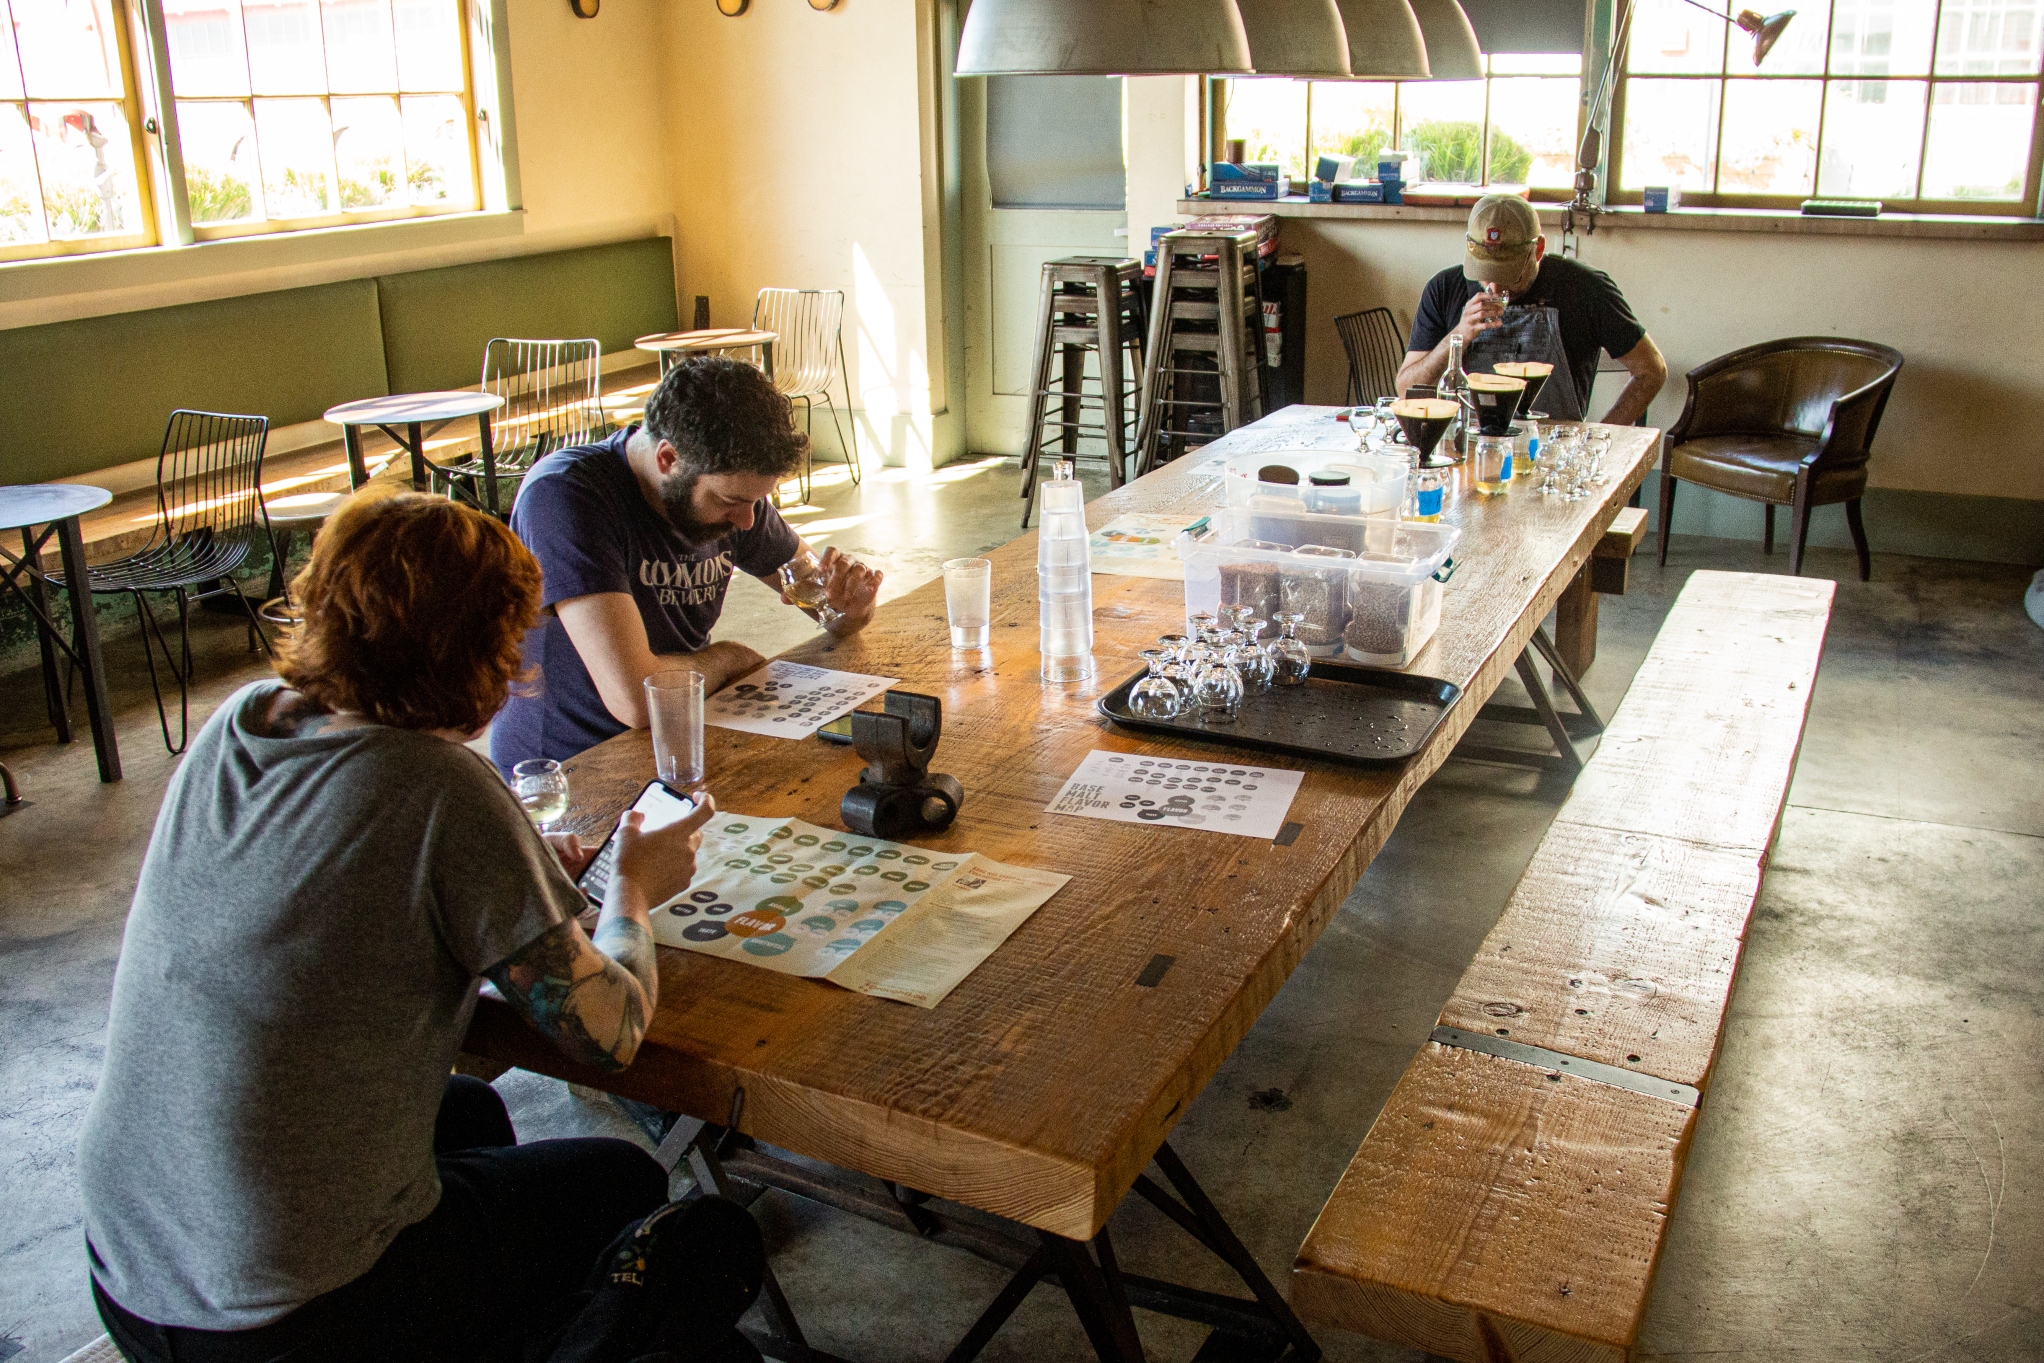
pixel 626 941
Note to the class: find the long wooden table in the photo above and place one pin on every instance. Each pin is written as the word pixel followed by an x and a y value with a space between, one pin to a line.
pixel 1042 1087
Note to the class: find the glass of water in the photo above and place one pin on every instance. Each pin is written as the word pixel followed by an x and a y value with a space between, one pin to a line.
pixel 674 709
pixel 968 601
pixel 542 789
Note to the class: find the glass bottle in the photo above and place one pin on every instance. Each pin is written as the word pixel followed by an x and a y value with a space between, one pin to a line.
pixel 1290 661
pixel 1430 495
pixel 1454 386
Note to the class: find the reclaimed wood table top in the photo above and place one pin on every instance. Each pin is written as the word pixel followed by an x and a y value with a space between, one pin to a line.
pixel 1046 1081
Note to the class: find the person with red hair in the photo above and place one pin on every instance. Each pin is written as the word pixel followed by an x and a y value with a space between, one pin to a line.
pixel 276 1163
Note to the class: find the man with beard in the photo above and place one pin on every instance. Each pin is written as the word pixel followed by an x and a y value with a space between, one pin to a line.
pixel 637 537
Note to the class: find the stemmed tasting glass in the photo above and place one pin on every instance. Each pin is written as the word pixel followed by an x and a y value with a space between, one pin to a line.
pixel 542 789
pixel 1252 663
pixel 1156 696
pixel 1217 687
pixel 1289 659
pixel 802 583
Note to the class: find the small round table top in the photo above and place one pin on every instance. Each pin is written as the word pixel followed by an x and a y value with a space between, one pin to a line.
pixel 403 408
pixel 300 507
pixel 41 503
pixel 715 338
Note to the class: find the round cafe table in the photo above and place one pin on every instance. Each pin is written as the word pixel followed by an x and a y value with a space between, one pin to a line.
pixel 56 507
pixel 675 346
pixel 404 417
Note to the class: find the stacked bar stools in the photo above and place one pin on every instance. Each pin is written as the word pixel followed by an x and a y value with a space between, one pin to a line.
pixel 1092 305
pixel 1205 372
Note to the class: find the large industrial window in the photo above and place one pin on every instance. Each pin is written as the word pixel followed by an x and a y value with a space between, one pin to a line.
pixel 1926 105
pixel 287 114
pixel 70 132
pixel 303 112
pixel 1517 126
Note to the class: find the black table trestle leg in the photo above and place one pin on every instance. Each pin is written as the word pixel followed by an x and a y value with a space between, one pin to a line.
pixel 695 1140
pixel 1568 681
pixel 996 1315
pixel 1564 730
pixel 421 479
pixel 1232 1251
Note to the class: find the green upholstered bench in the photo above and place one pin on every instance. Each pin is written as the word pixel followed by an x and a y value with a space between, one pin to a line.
pixel 94 393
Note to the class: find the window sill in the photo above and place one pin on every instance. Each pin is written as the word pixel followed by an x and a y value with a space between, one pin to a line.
pixel 60 288
pixel 1950 226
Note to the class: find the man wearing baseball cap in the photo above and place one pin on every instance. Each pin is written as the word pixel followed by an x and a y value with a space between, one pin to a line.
pixel 1506 258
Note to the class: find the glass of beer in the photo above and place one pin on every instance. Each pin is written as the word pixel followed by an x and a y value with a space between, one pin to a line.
pixel 1497 400
pixel 1425 421
pixel 1535 373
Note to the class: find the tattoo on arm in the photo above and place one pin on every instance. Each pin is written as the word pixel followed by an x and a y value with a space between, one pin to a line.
pixel 628 942
pixel 586 1002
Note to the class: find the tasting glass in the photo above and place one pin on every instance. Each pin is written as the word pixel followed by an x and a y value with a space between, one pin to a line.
pixel 674 704
pixel 1254 662
pixel 802 583
pixel 968 600
pixel 1218 689
pixel 1289 658
pixel 1157 696
pixel 542 789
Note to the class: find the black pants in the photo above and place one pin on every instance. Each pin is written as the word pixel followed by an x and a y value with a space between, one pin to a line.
pixel 490 1274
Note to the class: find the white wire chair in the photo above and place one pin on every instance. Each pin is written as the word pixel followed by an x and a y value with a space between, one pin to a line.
pixel 550 392
pixel 809 325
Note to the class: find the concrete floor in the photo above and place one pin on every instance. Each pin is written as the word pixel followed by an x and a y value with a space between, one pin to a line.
pixel 1865 1183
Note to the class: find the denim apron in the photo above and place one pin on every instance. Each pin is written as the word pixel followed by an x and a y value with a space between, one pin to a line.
pixel 1529 333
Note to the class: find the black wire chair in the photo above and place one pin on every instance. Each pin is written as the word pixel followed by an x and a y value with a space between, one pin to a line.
pixel 209 516
pixel 1375 348
pixel 551 402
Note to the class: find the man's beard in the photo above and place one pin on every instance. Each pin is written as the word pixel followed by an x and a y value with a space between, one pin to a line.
pixel 677 503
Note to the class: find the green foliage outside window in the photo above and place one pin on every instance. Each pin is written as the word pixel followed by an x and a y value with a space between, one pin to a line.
pixel 217 198
pixel 1453 149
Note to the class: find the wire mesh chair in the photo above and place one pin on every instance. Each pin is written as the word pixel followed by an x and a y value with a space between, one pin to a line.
pixel 550 402
pixel 1375 349
pixel 810 327
pixel 209 514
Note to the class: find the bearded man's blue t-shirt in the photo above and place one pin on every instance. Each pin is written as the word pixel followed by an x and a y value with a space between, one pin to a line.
pixel 583 516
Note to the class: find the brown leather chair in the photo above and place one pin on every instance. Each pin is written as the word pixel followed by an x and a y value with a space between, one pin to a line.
pixel 1787 423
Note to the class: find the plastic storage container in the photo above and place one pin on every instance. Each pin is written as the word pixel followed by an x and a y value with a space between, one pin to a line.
pixel 1375 486
pixel 1377 604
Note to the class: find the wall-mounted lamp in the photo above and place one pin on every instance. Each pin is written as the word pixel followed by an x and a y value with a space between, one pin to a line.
pixel 585 9
pixel 1765 30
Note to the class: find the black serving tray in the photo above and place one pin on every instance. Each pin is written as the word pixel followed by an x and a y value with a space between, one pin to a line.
pixel 1362 716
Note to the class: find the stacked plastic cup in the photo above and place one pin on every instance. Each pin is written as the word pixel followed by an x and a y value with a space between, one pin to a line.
pixel 1064 581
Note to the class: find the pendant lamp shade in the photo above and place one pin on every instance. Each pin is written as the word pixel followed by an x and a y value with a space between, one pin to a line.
pixel 1384 40
pixel 1103 38
pixel 1296 38
pixel 1452 53
pixel 1764 30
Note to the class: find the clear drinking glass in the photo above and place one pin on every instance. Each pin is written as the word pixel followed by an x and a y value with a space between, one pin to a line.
pixel 1218 689
pixel 674 705
pixel 1156 696
pixel 802 583
pixel 968 597
pixel 542 789
pixel 1254 661
pixel 1290 661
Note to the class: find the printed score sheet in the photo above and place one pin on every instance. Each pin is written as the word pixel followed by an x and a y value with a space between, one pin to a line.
pixel 870 915
pixel 1234 796
pixel 790 700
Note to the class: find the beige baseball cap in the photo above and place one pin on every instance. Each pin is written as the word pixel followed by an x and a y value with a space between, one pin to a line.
pixel 1502 230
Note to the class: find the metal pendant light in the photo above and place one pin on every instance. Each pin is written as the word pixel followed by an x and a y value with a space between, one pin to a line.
pixel 1384 40
pixel 1296 38
pixel 1452 53
pixel 1103 38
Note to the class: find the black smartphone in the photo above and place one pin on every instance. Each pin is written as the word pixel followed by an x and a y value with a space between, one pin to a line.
pixel 661 806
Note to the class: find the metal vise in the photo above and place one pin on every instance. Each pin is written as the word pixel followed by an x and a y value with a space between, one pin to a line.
pixel 897 795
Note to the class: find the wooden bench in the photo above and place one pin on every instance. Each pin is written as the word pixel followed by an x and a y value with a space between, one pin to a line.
pixel 1575 615
pixel 1511 1199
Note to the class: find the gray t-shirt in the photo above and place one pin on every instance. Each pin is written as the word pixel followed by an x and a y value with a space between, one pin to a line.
pixel 299 967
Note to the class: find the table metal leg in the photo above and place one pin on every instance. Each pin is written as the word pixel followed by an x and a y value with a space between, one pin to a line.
pixel 417 445
pixel 358 471
pixel 766 351
pixel 85 644
pixel 39 601
pixel 489 464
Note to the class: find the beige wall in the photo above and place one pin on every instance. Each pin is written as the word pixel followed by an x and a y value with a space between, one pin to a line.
pixel 797 159
pixel 1968 410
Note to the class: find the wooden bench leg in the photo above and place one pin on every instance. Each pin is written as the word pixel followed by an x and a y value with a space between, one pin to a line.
pixel 1575 623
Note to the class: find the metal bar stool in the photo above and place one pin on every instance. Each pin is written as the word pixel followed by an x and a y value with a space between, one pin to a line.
pixel 1205 370
pixel 1092 305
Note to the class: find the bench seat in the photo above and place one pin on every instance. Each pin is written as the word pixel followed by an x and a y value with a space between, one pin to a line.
pixel 1505 1206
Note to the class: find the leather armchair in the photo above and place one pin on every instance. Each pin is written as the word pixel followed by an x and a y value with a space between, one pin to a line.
pixel 1785 423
